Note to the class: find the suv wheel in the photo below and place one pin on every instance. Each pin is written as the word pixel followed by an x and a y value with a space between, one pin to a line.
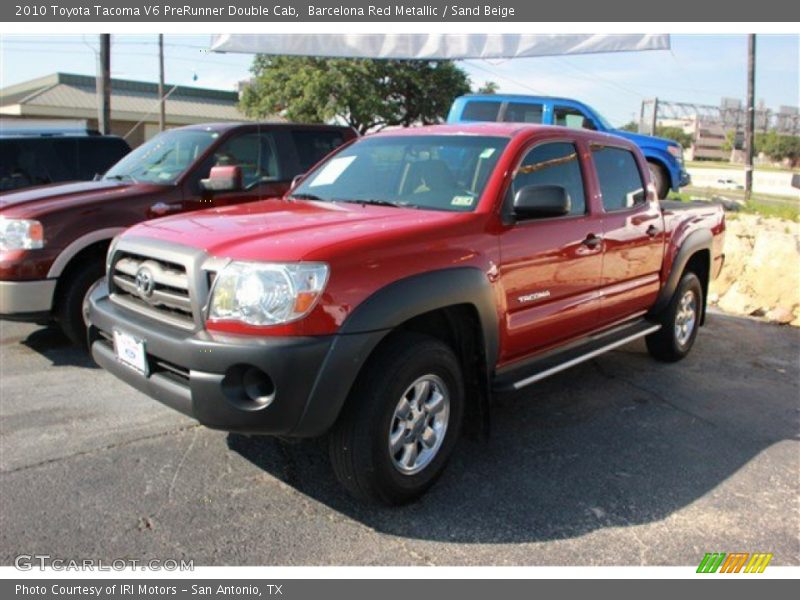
pixel 401 421
pixel 679 322
pixel 70 310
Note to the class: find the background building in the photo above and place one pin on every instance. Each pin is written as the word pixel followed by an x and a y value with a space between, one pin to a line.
pixel 134 104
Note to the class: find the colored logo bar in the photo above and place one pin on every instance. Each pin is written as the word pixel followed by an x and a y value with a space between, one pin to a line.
pixel 735 562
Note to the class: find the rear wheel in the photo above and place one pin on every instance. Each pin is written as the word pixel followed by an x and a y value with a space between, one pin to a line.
pixel 70 310
pixel 680 321
pixel 660 179
pixel 401 422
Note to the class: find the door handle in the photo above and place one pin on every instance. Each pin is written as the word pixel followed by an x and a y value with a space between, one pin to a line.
pixel 652 231
pixel 592 241
pixel 161 208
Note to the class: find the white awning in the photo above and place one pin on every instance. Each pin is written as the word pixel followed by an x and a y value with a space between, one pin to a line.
pixel 436 46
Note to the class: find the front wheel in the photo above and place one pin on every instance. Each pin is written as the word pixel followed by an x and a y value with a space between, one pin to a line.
pixel 401 422
pixel 680 321
pixel 70 312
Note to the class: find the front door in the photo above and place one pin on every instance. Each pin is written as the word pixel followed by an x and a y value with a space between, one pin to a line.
pixel 550 267
pixel 263 174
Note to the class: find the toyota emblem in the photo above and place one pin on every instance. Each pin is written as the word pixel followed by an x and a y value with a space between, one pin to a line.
pixel 145 282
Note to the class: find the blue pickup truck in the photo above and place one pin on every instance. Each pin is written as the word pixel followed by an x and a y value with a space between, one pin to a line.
pixel 665 157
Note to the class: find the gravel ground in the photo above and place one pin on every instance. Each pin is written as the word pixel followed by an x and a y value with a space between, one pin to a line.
pixel 620 461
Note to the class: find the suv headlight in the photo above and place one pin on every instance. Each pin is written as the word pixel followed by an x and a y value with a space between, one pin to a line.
pixel 267 293
pixel 676 151
pixel 20 234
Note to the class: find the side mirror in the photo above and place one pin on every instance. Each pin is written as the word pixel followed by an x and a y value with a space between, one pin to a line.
pixel 223 179
pixel 296 180
pixel 536 201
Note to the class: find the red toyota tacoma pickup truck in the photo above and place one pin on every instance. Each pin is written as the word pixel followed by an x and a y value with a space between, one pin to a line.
pixel 401 284
pixel 53 239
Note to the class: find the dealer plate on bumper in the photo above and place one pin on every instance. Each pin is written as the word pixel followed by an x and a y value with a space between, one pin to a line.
pixel 130 351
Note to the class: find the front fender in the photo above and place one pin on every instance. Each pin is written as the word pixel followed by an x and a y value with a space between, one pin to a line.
pixel 372 320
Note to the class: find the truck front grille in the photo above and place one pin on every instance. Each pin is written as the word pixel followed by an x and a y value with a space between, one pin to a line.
pixel 154 287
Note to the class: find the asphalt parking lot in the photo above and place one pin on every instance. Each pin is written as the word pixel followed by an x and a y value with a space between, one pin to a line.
pixel 621 461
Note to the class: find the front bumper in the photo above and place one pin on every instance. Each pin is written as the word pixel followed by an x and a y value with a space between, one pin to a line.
pixel 684 178
pixel 201 375
pixel 26 300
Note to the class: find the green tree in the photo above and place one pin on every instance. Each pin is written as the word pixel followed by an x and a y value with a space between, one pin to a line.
pixel 779 147
pixel 366 94
pixel 489 87
pixel 630 126
pixel 676 134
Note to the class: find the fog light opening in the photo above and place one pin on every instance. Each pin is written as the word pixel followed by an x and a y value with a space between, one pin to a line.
pixel 248 387
pixel 258 386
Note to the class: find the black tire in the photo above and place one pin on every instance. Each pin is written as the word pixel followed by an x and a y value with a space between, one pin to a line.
pixel 359 442
pixel 667 344
pixel 69 310
pixel 660 179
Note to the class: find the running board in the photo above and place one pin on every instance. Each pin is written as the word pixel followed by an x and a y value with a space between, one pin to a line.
pixel 519 376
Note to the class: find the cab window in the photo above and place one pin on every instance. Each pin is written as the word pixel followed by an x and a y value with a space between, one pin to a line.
pixel 254 153
pixel 554 163
pixel 479 110
pixel 572 118
pixel 523 112
pixel 620 181
pixel 312 146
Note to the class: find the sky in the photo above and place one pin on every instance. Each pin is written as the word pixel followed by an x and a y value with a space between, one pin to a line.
pixel 698 69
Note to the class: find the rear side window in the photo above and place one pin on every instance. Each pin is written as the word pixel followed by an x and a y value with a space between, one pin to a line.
pixel 523 112
pixel 620 180
pixel 96 155
pixel 555 163
pixel 35 161
pixel 481 111
pixel 313 146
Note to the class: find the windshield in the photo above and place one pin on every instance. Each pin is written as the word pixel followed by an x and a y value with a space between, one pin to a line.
pixel 438 172
pixel 164 158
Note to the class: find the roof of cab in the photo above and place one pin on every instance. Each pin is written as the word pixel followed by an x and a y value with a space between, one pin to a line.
pixel 521 98
pixel 229 125
pixel 503 129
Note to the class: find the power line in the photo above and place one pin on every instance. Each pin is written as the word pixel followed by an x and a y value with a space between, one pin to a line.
pixel 500 76
pixel 595 76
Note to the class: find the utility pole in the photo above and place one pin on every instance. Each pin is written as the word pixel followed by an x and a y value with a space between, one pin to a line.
pixel 104 86
pixel 161 101
pixel 749 124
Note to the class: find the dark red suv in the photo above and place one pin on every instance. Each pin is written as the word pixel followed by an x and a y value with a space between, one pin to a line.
pixel 53 239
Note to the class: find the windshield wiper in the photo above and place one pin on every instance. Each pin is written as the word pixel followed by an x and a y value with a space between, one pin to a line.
pixel 381 202
pixel 305 197
pixel 121 177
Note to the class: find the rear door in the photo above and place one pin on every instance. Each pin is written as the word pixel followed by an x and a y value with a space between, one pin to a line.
pixel 633 234
pixel 312 145
pixel 550 267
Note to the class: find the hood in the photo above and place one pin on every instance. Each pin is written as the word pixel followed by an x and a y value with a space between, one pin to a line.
pixel 39 200
pixel 279 229
pixel 645 140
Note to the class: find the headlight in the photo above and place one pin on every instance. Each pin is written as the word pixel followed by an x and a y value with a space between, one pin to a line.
pixel 20 234
pixel 676 151
pixel 267 293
